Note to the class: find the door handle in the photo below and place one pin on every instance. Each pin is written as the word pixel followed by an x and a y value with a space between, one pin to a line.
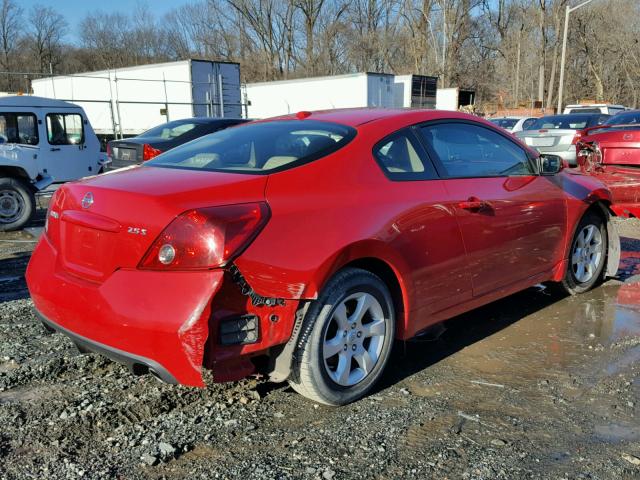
pixel 55 149
pixel 473 204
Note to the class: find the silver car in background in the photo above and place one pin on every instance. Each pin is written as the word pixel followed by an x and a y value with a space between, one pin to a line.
pixel 558 134
pixel 513 124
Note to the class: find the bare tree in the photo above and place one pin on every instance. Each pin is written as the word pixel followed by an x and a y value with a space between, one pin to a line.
pixel 45 34
pixel 10 21
pixel 506 49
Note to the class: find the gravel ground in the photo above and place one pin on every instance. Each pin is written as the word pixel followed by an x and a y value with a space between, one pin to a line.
pixel 532 386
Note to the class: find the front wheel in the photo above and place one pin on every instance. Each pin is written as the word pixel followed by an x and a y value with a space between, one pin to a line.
pixel 17 204
pixel 587 255
pixel 346 339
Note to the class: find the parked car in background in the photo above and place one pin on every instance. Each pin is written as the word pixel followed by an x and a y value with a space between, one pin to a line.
pixel 558 134
pixel 630 117
pixel 612 155
pixel 42 141
pixel 513 124
pixel 304 245
pixel 605 108
pixel 147 145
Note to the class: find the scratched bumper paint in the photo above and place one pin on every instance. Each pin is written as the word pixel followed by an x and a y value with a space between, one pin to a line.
pixel 161 316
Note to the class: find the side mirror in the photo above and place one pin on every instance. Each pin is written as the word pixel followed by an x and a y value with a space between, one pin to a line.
pixel 550 164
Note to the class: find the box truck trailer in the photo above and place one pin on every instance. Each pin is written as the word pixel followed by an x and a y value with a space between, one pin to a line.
pixel 269 99
pixel 128 101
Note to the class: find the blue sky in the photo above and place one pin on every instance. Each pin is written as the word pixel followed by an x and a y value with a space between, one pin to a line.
pixel 75 10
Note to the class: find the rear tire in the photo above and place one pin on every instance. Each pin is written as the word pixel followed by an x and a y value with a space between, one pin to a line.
pixel 345 340
pixel 17 204
pixel 587 255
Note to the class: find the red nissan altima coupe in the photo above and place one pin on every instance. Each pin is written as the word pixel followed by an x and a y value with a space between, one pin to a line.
pixel 306 244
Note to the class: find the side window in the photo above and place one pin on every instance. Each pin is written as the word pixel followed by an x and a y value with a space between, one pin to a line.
pixel 526 125
pixel 402 158
pixel 65 129
pixel 21 128
pixel 466 150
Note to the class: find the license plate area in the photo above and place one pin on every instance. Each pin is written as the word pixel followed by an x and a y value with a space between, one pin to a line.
pixel 542 142
pixel 87 252
pixel 125 154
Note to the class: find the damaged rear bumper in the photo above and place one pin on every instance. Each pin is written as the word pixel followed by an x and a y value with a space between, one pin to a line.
pixel 135 363
pixel 156 320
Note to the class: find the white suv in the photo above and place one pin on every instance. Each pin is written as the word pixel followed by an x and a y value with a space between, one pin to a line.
pixel 42 141
pixel 605 108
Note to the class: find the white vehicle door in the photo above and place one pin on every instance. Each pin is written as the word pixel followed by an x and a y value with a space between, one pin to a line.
pixel 19 141
pixel 64 151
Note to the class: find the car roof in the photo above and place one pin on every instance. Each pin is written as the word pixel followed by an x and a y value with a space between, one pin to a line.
pixel 212 119
pixel 31 101
pixel 354 117
pixel 574 114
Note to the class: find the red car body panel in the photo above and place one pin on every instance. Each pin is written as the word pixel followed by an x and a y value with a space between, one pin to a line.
pixel 84 277
pixel 132 310
pixel 616 164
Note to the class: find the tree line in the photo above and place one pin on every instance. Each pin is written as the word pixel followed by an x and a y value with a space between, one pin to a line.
pixel 508 50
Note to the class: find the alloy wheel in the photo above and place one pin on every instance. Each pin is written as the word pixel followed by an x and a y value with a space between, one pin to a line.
pixel 587 253
pixel 353 339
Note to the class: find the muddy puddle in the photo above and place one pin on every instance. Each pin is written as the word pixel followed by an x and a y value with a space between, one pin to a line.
pixel 559 336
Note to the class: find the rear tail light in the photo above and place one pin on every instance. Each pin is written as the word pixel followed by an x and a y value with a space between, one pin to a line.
pixel 148 152
pixel 109 150
pixel 576 137
pixel 206 237
pixel 589 155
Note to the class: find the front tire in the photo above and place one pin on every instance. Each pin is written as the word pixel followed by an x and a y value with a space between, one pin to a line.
pixel 346 339
pixel 17 204
pixel 587 256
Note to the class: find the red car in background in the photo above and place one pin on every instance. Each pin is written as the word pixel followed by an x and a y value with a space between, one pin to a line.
pixel 612 155
pixel 304 245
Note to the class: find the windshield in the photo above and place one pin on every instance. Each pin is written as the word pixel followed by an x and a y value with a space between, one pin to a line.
pixel 258 147
pixel 171 130
pixel 504 122
pixel 625 118
pixel 568 122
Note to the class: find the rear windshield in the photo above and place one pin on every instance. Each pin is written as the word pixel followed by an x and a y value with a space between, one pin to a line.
pixel 585 110
pixel 171 130
pixel 569 122
pixel 258 147
pixel 625 118
pixel 504 122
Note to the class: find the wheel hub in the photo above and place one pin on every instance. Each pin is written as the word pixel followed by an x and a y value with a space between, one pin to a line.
pixel 587 253
pixel 353 339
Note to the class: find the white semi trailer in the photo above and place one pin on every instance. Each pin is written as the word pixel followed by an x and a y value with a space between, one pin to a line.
pixel 128 101
pixel 269 99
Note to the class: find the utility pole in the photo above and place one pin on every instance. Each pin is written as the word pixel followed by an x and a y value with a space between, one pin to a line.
pixel 564 50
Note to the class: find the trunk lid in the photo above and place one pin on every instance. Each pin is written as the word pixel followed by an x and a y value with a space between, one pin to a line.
pixel 552 139
pixel 619 147
pixel 108 222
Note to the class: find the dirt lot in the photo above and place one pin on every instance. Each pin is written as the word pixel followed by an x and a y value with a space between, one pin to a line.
pixel 533 386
